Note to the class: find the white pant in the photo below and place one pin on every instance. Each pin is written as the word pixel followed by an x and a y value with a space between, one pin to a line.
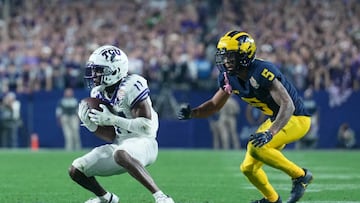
pixel 100 161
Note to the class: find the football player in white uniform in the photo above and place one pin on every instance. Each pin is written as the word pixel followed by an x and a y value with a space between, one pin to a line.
pixel 135 122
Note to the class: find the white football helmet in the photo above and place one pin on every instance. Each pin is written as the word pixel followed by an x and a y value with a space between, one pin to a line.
pixel 106 66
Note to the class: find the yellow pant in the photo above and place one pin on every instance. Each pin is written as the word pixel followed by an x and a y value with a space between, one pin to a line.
pixel 270 154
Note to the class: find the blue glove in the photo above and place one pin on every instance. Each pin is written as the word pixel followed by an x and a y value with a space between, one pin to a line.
pixel 184 112
pixel 261 138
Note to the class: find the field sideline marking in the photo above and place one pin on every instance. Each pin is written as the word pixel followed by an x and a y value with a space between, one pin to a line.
pixel 330 202
pixel 315 187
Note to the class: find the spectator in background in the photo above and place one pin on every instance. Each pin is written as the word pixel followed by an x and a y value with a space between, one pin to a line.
pixel 9 120
pixel 66 113
pixel 346 137
pixel 33 36
pixel 309 141
pixel 224 129
pixel 5 113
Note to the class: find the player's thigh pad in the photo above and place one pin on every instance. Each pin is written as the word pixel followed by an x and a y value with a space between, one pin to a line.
pixel 99 162
pixel 295 129
pixel 143 149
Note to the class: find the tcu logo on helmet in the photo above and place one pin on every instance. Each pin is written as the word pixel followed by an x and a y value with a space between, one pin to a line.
pixel 110 54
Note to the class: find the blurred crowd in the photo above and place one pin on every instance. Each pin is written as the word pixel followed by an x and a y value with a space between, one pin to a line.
pixel 45 44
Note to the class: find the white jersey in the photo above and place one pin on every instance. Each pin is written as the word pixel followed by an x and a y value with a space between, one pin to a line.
pixel 132 89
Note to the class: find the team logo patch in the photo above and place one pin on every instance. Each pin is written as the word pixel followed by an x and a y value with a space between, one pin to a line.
pixel 120 94
pixel 254 83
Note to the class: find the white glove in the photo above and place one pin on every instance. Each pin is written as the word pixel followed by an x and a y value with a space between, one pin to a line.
pixel 83 114
pixel 104 117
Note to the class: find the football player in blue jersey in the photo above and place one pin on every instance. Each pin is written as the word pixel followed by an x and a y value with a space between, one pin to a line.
pixel 262 85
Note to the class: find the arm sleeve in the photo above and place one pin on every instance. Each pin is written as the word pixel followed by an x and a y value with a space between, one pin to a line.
pixel 138 125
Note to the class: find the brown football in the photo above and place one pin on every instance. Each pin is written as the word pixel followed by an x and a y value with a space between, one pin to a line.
pixel 106 133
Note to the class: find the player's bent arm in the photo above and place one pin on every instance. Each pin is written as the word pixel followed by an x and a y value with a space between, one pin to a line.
pixel 141 109
pixel 141 123
pixel 211 106
pixel 287 108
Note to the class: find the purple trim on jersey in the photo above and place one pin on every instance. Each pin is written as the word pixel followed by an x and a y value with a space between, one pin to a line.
pixel 101 96
pixel 142 96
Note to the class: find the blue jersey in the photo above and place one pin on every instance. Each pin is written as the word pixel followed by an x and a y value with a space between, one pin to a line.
pixel 255 90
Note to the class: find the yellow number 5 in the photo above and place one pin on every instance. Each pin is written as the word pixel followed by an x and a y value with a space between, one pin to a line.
pixel 267 74
pixel 259 104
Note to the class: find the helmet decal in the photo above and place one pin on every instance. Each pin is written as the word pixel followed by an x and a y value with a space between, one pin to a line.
pixel 110 54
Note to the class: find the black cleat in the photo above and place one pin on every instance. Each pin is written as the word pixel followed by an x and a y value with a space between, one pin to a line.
pixel 299 186
pixel 263 200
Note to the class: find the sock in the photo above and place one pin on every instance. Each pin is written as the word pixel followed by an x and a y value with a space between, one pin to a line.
pixel 158 194
pixel 106 196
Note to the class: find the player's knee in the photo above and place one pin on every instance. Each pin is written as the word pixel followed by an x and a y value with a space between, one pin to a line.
pixel 78 164
pixel 72 172
pixel 246 169
pixel 257 152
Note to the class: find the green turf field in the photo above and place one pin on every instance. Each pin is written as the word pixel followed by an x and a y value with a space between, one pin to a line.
pixel 189 176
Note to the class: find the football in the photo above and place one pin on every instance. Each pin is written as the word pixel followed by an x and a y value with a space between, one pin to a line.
pixel 106 133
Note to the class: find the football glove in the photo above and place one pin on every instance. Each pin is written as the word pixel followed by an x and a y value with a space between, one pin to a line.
pixel 102 118
pixel 261 138
pixel 184 112
pixel 83 113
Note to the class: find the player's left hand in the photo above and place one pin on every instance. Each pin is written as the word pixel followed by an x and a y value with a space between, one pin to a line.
pixel 185 112
pixel 102 118
pixel 261 138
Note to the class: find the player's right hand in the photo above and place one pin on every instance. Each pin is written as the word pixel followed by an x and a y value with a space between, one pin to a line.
pixel 184 112
pixel 104 117
pixel 83 113
pixel 261 138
